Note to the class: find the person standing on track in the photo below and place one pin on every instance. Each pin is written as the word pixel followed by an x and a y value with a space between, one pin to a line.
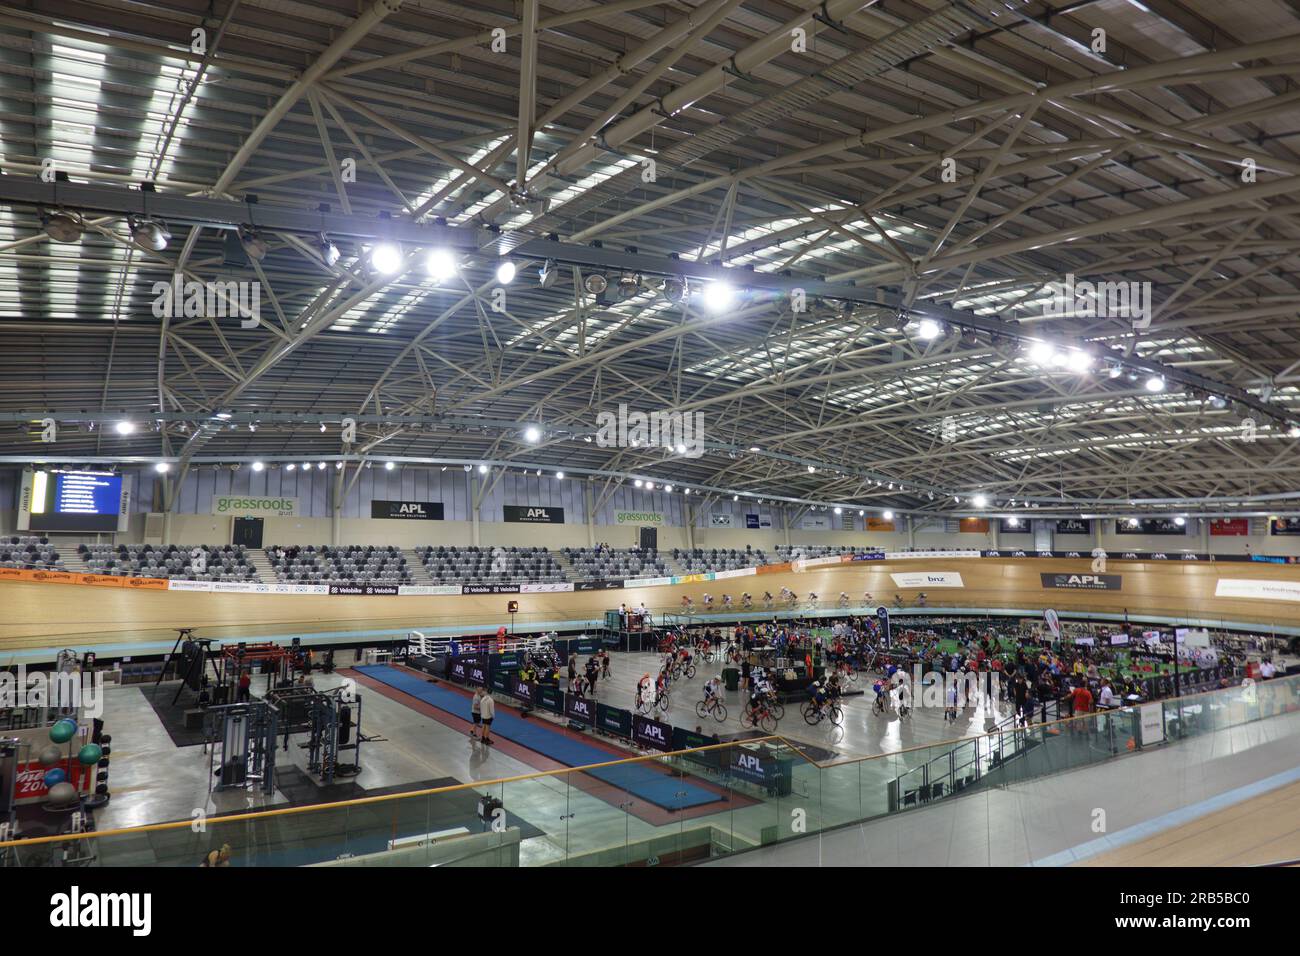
pixel 476 712
pixel 487 711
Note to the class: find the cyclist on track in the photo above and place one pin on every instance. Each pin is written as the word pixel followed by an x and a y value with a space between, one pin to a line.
pixel 712 689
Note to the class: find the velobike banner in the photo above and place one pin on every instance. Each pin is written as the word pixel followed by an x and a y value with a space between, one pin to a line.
pixel 580 709
pixel 928 579
pixel 549 588
pixel 489 589
pixel 638 517
pixel 614 585
pixel 248 506
pixel 652 734
pixel 364 590
pixel 1083 582
pixel 1258 589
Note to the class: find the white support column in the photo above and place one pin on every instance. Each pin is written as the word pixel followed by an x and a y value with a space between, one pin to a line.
pixel 690 525
pixel 473 504
pixel 911 531
pixel 590 514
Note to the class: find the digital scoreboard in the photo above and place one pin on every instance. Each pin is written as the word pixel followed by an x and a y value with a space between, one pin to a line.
pixel 76 501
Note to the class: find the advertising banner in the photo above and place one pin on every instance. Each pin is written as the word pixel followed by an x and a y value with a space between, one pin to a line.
pixel 719 520
pixel 815 523
pixel 928 579
pixel 413 510
pixel 428 590
pixel 523 691
pixel 364 590
pixel 639 517
pixel 246 506
pixel 580 709
pixel 614 720
pixel 613 585
pixel 1083 582
pixel 533 514
pixel 1230 527
pixel 1074 526
pixel 549 588
pixel 489 589
pixel 652 734
pixel 880 524
pixel 1167 526
pixel 1284 526
pixel 1257 589
pixel 973 525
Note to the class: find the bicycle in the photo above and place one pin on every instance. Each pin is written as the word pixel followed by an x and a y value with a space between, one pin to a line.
pixel 814 715
pixel 760 717
pixel 711 707
pixel 679 671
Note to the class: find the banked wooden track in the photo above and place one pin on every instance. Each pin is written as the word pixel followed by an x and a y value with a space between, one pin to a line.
pixel 40 615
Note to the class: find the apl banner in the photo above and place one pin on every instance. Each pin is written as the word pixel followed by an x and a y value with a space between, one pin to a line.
pixel 580 709
pixel 1074 526
pixel 652 734
pixel 1167 526
pixel 411 510
pixel 533 514
pixel 1083 582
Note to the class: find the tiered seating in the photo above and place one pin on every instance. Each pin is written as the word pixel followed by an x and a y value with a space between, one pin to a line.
pixel 786 552
pixel 609 564
pixel 29 552
pixel 227 562
pixel 695 560
pixel 448 564
pixel 353 564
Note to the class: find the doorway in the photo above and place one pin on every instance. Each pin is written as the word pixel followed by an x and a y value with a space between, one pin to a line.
pixel 248 532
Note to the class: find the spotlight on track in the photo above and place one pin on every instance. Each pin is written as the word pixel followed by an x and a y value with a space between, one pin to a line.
pixel 629 286
pixel 1114 369
pixel 1293 431
pixel 329 252
pixel 1180 521
pixel 150 233
pixel 559 475
pixel 320 465
pixel 61 225
pixel 254 245
pixel 674 290
pixel 290 467
pixel 1078 360
pixel 812 469
pixel 441 265
pixel 595 283
pixel 639 483
pixel 719 296
pixel 548 274
pixel 506 272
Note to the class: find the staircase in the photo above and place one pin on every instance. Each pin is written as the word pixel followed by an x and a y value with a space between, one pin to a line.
pixel 419 574
pixel 261 564
pixel 563 562
pixel 72 560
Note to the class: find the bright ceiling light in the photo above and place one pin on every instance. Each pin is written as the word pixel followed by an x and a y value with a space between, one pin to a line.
pixel 888 515
pixel 928 329
pixel 861 512
pixel 1180 521
pixel 548 274
pixel 306 466
pixel 482 469
pixel 595 283
pixel 329 253
pixel 811 469
pixel 532 434
pixel 1077 360
pixel 440 264
pixel 735 497
pixel 681 449
pixel 668 488
pixel 386 258
pixel 258 466
pixel 320 465
pixel 1156 383
pixel 980 501
pixel 125 428
pixel 1040 353
pixel 290 467
pixel 559 475
pixel 389 466
pixel 839 510
pixel 1132 522
pixel 506 272
pixel 1294 431
pixel 719 296
pixel 162 467
pixel 1013 522
pixel 639 483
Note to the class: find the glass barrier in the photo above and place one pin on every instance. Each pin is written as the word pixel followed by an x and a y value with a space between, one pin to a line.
pixel 668 809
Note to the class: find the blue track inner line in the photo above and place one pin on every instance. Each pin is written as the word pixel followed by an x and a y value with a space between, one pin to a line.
pixel 638 779
pixel 1174 818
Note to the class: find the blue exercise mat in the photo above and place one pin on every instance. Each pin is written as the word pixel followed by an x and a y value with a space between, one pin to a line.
pixel 647 782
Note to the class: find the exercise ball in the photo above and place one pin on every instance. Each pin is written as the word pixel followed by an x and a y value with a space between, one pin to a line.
pixel 61 794
pixel 49 756
pixel 89 754
pixel 55 777
pixel 63 731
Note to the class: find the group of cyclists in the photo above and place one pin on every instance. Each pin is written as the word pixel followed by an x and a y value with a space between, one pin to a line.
pixel 787 597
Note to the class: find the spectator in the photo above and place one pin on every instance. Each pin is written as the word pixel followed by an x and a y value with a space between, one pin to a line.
pixel 487 711
pixel 476 711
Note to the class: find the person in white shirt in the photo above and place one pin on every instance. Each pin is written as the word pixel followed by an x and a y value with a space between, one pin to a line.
pixel 1107 698
pixel 487 709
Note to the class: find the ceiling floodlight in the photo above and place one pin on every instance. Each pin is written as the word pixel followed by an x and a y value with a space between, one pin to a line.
pixel 888 515
pixel 1156 383
pixel 629 286
pixel 386 258
pixel 441 265
pixel 258 466
pixel 674 290
pixel 719 296
pixel 506 272
pixel 62 226
pixel 929 329
pixel 548 274
pixel 150 233
pixel 389 466
pixel 595 283
pixel 532 434
pixel 254 245
pixel 980 501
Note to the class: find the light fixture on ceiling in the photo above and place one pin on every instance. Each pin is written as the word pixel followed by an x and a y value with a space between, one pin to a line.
pixel 674 290
pixel 254 245
pixel 532 434
pixel 149 233
pixel 1180 521
pixel 980 501
pixel 812 469
pixel 887 515
pixel 320 466
pixel 595 283
pixel 483 469
pixel 629 285
pixel 389 465
pixel 290 467
pixel 441 265
pixel 162 467
pixel 548 274
pixel 1156 383
pixel 839 510
pixel 929 329
pixel 258 466
pixel 61 225
pixel 1218 401
pixel 559 475
pixel 719 296
pixel 506 272
pixel 1040 353
pixel 329 253
pixel 125 428
pixel 668 488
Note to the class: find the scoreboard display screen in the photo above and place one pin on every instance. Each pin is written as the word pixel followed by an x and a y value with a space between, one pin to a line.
pixel 75 501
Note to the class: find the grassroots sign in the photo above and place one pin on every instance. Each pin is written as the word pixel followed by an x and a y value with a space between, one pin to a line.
pixel 638 517
pixel 247 506
pixel 1083 582
pixel 416 510
pixel 534 514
